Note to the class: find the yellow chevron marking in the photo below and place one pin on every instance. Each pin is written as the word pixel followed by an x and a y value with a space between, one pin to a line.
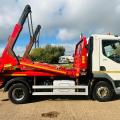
pixel 13 75
pixel 42 68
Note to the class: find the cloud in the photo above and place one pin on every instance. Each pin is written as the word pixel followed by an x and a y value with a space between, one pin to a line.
pixel 65 34
pixel 1 50
pixel 76 16
pixel 19 50
pixel 69 48
pixel 66 19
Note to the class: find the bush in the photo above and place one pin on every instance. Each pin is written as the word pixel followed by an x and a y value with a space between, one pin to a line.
pixel 48 54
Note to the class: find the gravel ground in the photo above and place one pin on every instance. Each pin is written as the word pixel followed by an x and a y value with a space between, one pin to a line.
pixel 63 108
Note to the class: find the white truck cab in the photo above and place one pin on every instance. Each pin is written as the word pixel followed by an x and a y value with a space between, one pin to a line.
pixel 105 61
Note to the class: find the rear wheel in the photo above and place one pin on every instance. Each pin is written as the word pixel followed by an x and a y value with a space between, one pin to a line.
pixel 18 93
pixel 103 91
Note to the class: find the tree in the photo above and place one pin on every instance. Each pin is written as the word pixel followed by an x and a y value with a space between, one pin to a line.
pixel 48 54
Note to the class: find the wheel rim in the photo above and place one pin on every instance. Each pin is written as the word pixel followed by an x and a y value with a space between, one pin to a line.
pixel 18 94
pixel 102 92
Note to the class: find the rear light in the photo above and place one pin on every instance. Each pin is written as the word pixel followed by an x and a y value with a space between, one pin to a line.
pixel 1 83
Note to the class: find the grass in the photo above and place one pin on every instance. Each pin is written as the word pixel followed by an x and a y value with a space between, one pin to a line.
pixel 68 65
pixel 65 65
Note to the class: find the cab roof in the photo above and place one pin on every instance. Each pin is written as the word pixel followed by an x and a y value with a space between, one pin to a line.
pixel 106 36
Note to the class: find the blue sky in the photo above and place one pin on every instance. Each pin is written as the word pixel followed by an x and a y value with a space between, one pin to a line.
pixel 62 21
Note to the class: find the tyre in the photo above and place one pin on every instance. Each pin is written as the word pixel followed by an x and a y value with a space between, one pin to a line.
pixel 103 91
pixel 18 93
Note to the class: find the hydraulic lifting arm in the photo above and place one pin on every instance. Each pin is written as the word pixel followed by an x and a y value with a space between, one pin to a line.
pixel 32 41
pixel 8 57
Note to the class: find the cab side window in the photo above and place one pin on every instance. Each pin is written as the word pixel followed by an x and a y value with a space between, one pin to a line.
pixel 111 49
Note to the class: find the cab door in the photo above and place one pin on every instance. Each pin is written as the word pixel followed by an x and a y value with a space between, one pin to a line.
pixel 110 58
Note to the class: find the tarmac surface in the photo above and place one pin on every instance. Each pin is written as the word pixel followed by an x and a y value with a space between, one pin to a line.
pixel 59 108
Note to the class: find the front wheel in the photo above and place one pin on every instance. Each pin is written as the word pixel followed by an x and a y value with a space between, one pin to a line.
pixel 103 91
pixel 18 93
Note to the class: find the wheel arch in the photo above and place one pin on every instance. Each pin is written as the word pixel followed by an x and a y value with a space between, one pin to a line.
pixel 101 77
pixel 16 80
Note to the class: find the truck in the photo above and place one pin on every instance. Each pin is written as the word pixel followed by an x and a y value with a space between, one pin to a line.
pixel 95 72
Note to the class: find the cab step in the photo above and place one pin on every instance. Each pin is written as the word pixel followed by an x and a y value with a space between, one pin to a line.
pixel 61 90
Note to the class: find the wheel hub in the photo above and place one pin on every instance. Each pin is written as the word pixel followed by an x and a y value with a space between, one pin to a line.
pixel 102 92
pixel 18 94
